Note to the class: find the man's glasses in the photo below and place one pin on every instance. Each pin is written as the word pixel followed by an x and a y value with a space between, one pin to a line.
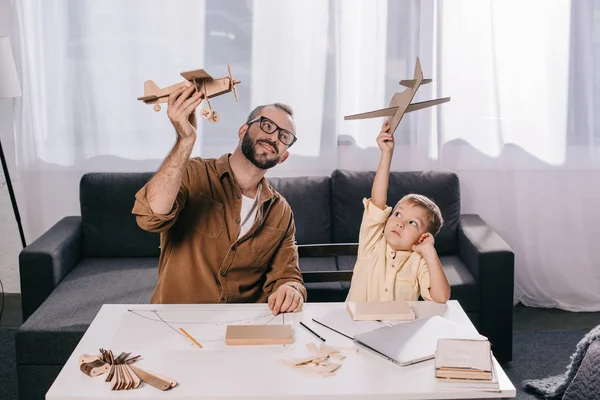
pixel 268 126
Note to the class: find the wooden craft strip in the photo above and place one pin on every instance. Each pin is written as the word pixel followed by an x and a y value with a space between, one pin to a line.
pixel 172 382
pixel 136 379
pixel 109 376
pixel 151 379
pixel 88 358
pixel 128 377
pixel 328 349
pixel 337 356
pixel 307 360
pixel 113 381
pixel 122 380
pixel 313 348
pixel 94 368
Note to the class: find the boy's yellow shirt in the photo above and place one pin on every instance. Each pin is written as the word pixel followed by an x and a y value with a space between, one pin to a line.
pixel 380 273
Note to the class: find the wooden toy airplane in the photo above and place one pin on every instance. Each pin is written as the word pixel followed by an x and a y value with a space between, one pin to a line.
pixel 209 86
pixel 401 101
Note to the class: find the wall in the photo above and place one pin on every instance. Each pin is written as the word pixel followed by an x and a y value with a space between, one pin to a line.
pixel 10 243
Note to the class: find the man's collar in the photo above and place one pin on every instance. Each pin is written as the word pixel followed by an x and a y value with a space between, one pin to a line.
pixel 223 167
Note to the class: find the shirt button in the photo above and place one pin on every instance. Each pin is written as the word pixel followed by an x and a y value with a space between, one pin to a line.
pixel 386 290
pixel 223 273
pixel 237 196
pixel 222 299
pixel 233 247
pixel 270 229
pixel 237 221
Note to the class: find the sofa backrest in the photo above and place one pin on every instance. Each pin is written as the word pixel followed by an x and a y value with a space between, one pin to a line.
pixel 109 227
pixel 310 200
pixel 348 189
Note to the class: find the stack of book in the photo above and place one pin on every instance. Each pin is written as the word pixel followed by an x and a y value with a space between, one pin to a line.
pixel 462 364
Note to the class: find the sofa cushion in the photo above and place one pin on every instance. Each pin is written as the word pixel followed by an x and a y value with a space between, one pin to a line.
pixel 321 291
pixel 52 332
pixel 109 227
pixel 309 198
pixel 348 189
pixel 463 287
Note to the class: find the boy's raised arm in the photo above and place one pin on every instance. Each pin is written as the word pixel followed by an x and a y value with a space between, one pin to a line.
pixel 385 141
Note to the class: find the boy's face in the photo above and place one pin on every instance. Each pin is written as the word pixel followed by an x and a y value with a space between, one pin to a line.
pixel 405 226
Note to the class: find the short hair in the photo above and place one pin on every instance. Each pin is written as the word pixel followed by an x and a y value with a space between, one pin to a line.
pixel 281 106
pixel 435 222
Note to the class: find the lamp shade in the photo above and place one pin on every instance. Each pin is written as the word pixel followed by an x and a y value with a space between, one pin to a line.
pixel 9 80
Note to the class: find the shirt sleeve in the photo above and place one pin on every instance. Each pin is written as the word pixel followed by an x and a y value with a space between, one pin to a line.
pixel 284 268
pixel 371 227
pixel 148 220
pixel 424 281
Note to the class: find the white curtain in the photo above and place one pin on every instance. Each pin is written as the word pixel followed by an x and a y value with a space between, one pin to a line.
pixel 520 131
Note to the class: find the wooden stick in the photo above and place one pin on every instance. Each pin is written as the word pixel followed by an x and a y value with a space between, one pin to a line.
pixel 190 337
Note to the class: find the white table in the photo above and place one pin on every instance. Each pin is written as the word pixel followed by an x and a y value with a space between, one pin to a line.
pixel 218 371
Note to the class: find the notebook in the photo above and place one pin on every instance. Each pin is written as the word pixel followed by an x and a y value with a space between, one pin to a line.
pixel 380 311
pixel 413 341
pixel 463 359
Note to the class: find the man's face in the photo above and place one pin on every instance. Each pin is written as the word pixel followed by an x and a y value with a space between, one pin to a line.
pixel 405 226
pixel 265 150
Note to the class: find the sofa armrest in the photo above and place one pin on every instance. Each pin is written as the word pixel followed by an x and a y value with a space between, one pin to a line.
pixel 492 262
pixel 45 262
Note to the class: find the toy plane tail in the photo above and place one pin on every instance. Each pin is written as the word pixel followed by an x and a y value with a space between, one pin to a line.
pixel 150 88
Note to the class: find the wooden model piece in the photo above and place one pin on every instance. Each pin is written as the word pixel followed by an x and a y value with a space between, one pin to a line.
pixel 380 311
pixel 203 82
pixel 121 374
pixel 321 361
pixel 401 101
pixel 245 335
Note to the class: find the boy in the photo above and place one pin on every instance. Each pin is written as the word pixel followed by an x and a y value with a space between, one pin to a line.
pixel 396 256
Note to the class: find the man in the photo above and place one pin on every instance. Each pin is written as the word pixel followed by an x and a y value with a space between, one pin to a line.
pixel 226 235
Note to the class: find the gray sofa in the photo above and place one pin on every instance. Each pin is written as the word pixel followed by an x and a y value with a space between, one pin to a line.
pixel 103 257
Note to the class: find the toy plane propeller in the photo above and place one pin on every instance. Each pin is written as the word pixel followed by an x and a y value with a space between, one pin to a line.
pixel 401 101
pixel 209 86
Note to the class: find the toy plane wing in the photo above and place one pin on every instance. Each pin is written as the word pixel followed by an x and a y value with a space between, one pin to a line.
pixel 424 104
pixel 196 74
pixel 411 82
pixel 384 112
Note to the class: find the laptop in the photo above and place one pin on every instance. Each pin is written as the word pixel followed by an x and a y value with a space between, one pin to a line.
pixel 415 341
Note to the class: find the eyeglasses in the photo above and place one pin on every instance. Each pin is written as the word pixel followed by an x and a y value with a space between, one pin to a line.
pixel 268 126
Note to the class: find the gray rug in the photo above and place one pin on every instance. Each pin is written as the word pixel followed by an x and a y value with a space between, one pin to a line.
pixel 555 386
pixel 537 354
pixel 8 368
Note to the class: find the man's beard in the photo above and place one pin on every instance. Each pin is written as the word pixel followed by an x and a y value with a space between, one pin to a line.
pixel 250 153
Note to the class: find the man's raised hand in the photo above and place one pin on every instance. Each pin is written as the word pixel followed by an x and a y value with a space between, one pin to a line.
pixel 181 110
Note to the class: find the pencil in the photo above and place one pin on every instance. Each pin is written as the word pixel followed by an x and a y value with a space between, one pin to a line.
pixel 311 331
pixel 190 337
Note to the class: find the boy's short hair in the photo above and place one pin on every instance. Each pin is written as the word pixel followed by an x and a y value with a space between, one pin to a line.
pixel 435 215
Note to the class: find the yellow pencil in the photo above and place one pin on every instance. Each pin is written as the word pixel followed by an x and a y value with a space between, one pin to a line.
pixel 190 337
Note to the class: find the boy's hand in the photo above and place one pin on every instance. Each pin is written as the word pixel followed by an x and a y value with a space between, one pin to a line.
pixel 424 244
pixel 385 140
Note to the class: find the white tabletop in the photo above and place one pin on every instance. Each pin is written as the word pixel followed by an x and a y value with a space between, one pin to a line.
pixel 218 371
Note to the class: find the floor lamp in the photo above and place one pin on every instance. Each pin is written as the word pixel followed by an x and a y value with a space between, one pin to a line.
pixel 9 88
